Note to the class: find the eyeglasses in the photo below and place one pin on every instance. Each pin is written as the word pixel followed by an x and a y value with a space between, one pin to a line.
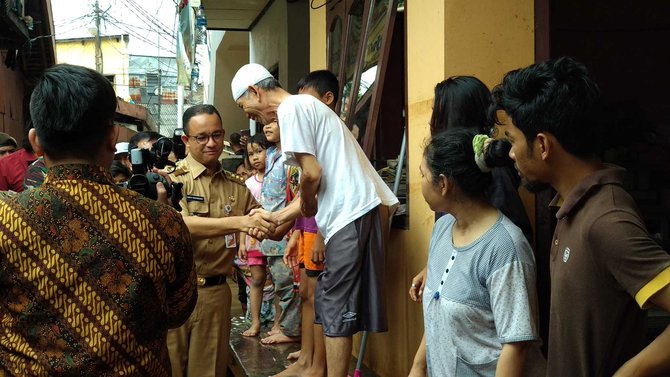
pixel 203 139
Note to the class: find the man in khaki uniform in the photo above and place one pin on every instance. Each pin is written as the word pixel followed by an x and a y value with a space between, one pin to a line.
pixel 200 346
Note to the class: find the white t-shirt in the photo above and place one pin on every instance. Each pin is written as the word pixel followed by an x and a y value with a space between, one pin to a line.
pixel 350 186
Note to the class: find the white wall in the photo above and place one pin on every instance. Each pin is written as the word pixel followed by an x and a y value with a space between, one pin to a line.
pixel 281 39
pixel 232 53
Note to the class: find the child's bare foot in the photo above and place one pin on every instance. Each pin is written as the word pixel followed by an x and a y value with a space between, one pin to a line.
pixel 253 330
pixel 274 330
pixel 280 338
pixel 293 355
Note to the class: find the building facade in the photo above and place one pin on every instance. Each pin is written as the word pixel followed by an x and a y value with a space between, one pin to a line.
pixel 390 54
pixel 115 58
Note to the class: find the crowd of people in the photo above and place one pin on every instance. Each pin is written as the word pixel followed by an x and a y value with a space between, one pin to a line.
pixel 96 279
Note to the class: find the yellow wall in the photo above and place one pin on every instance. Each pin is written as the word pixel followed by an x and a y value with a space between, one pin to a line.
pixel 483 38
pixel 317 39
pixel 502 32
pixel 114 58
pixel 391 354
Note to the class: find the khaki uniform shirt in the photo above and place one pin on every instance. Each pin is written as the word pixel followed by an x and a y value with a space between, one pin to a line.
pixel 218 195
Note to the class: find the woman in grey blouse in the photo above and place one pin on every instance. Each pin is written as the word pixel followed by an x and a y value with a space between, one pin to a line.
pixel 479 299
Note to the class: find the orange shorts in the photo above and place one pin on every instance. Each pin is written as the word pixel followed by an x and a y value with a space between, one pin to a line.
pixel 301 251
pixel 305 251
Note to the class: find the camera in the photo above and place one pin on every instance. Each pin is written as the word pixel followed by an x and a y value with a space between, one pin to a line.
pixel 143 161
pixel 178 146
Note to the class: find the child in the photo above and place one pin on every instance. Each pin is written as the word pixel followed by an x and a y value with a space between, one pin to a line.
pixel 119 172
pixel 275 195
pixel 308 242
pixel 250 247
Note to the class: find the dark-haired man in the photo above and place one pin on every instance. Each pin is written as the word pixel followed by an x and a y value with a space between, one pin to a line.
pixel 605 269
pixel 314 138
pixel 13 167
pixel 214 206
pixel 91 275
pixel 7 145
pixel 236 143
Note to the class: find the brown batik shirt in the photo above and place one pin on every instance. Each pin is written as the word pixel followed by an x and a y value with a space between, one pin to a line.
pixel 91 277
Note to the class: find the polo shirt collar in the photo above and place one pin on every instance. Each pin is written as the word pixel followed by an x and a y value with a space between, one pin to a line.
pixel 197 169
pixel 610 174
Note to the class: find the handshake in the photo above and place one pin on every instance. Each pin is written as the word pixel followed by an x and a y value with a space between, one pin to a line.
pixel 261 224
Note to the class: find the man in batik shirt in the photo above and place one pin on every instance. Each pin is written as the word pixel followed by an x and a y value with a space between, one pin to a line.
pixel 91 275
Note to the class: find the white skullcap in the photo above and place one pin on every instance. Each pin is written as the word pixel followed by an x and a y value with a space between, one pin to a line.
pixel 121 147
pixel 249 74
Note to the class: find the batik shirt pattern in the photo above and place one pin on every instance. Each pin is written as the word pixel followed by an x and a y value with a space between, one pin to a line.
pixel 91 277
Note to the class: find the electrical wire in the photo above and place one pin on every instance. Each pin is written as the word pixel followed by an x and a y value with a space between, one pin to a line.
pixel 171 42
pixel 129 4
pixel 128 28
pixel 326 2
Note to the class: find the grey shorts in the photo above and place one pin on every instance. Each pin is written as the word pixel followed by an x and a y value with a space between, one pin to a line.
pixel 349 296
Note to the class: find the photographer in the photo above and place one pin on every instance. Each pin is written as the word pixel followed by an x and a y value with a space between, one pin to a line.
pixel 214 206
pixel 91 275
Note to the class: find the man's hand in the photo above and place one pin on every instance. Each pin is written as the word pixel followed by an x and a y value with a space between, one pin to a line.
pixel 654 359
pixel 318 249
pixel 291 250
pixel 162 193
pixel 416 289
pixel 161 190
pixel 259 224
pixel 269 216
pixel 308 207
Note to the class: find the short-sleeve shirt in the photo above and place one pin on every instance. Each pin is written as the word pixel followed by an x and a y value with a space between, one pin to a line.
pixel 254 185
pixel 350 186
pixel 35 175
pixel 604 268
pixel 306 224
pixel 92 275
pixel 216 195
pixel 477 298
pixel 278 181
pixel 13 170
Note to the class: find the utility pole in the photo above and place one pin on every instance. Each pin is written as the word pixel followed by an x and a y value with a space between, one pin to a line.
pixel 98 48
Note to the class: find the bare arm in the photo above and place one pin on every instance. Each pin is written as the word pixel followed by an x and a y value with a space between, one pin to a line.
pixel 288 213
pixel 653 360
pixel 512 359
pixel 416 288
pixel 242 250
pixel 419 366
pixel 310 179
pixel 208 227
pixel 281 231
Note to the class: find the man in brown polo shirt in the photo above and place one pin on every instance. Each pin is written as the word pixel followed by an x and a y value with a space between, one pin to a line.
pixel 605 269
